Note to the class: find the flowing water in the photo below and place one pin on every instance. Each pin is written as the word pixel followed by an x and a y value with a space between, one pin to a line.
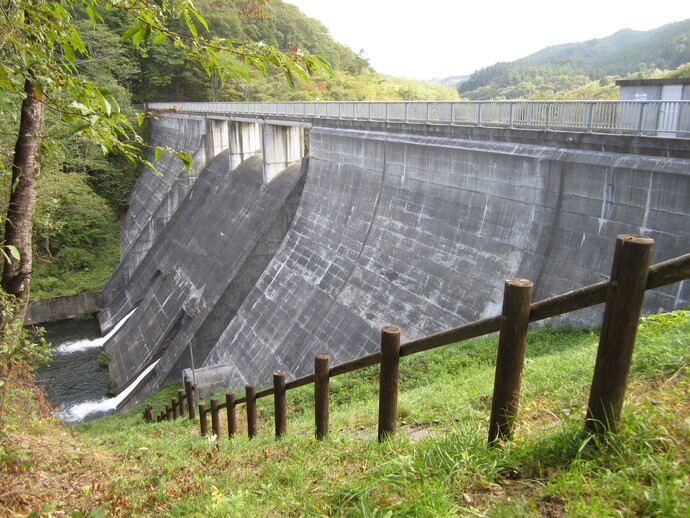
pixel 76 385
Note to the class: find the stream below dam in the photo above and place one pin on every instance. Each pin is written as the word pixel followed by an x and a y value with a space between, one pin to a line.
pixel 75 384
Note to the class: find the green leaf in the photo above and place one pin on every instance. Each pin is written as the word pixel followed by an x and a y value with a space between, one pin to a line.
pixel 106 105
pixel 157 153
pixel 68 52
pixel 294 67
pixel 13 252
pixel 200 18
pixel 129 33
pixel 77 42
pixel 76 127
pixel 289 78
pixel 186 159
pixel 191 26
pixel 160 37
pixel 93 14
pixel 79 106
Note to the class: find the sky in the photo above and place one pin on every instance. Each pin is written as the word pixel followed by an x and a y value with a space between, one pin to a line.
pixel 425 39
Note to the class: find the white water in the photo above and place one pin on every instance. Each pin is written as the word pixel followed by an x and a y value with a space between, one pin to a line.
pixel 82 345
pixel 80 411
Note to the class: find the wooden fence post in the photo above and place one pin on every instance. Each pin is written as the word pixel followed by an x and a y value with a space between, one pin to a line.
pixel 631 261
pixel 203 422
pixel 250 389
pixel 280 402
pixel 388 381
pixel 175 408
pixel 168 412
pixel 517 298
pixel 180 401
pixel 232 418
pixel 189 391
pixel 215 417
pixel 321 368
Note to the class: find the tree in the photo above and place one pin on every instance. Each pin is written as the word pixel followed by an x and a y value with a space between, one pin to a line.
pixel 40 50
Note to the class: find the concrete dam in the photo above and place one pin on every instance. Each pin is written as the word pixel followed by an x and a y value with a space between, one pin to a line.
pixel 260 258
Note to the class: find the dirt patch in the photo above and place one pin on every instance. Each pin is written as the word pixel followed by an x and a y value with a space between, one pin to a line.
pixel 43 468
pixel 52 474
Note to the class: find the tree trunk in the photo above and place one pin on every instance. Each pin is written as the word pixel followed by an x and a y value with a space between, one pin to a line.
pixel 26 168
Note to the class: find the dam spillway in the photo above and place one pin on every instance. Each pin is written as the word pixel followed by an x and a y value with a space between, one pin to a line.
pixel 414 227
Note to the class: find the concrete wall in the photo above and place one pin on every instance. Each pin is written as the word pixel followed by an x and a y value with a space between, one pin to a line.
pixel 421 231
pixel 60 308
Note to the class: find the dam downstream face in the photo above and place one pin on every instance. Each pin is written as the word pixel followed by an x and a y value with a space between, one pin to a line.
pixel 413 230
pixel 421 232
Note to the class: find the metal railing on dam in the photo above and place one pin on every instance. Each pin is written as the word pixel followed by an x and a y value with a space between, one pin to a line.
pixel 642 118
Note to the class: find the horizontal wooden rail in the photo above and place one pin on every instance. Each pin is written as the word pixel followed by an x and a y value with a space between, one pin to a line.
pixel 660 274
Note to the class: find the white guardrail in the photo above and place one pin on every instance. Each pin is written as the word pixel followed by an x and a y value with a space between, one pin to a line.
pixel 649 118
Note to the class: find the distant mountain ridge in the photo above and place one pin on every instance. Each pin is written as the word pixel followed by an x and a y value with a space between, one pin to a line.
pixel 559 69
pixel 668 43
pixel 595 49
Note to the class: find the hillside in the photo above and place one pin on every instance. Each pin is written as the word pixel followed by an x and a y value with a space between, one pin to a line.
pixel 438 464
pixel 575 70
pixel 164 76
pixel 591 50
pixel 82 191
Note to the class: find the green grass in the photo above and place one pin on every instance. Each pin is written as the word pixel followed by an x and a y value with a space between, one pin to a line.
pixel 550 468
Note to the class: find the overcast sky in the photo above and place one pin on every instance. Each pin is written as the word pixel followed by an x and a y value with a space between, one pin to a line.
pixel 424 39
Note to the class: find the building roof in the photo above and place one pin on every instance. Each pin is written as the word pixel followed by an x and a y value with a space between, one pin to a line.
pixel 653 82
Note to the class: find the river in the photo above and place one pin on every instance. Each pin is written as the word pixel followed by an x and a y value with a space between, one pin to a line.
pixel 75 384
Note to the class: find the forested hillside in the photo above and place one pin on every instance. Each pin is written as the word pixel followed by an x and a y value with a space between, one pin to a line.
pixel 161 74
pixel 586 70
pixel 82 191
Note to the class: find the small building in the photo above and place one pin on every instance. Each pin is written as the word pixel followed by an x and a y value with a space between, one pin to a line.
pixel 664 113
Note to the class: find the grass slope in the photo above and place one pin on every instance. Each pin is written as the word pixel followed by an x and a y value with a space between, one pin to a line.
pixel 437 465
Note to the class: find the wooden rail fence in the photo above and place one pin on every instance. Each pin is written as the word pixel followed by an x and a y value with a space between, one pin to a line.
pixel 623 293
